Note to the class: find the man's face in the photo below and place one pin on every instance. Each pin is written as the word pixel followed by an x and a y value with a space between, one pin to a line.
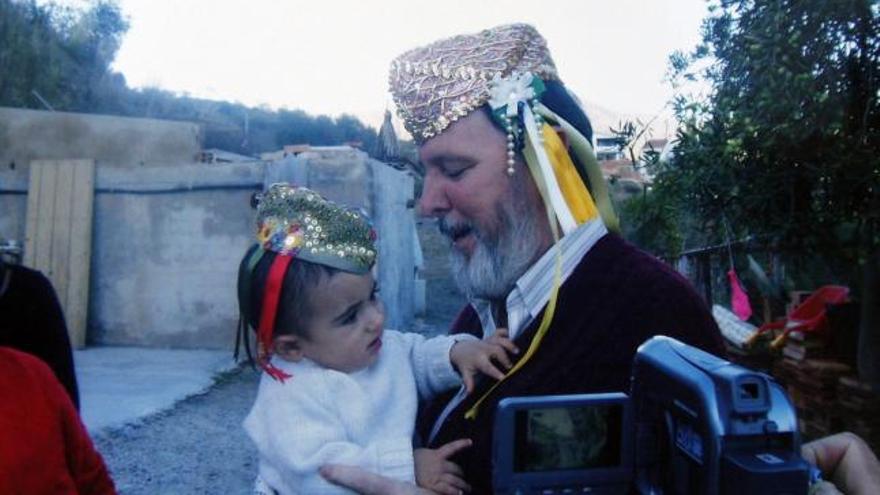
pixel 495 222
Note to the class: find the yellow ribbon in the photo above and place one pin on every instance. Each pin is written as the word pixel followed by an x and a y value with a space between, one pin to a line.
pixel 579 201
pixel 575 192
pixel 584 151
pixel 536 341
pixel 532 162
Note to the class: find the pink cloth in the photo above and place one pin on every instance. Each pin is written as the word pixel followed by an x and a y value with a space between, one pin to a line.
pixel 739 300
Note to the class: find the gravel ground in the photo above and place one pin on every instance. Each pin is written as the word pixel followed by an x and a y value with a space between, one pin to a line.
pixel 199 446
pixel 196 447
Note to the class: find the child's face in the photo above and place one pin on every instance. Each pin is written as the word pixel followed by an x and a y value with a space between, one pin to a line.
pixel 345 329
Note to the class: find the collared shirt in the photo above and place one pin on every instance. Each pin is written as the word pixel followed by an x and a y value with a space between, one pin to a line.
pixel 532 292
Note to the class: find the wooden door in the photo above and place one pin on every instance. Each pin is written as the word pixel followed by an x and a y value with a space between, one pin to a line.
pixel 58 235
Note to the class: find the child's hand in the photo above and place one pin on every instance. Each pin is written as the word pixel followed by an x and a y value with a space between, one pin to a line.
pixel 361 481
pixel 435 472
pixel 472 356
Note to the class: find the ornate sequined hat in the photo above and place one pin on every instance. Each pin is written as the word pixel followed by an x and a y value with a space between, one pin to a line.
pixel 298 222
pixel 437 84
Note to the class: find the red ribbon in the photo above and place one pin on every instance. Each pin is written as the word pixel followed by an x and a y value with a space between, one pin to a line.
pixel 271 297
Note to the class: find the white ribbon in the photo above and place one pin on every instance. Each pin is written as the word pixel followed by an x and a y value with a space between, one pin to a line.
pixel 554 193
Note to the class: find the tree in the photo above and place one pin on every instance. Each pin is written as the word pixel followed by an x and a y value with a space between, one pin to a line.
pixel 59 54
pixel 30 52
pixel 785 145
pixel 93 40
pixel 60 57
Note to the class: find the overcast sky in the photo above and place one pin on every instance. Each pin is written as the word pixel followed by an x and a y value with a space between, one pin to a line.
pixel 331 56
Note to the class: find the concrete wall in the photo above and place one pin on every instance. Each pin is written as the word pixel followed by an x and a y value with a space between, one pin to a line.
pixel 392 191
pixel 165 254
pixel 167 240
pixel 169 233
pixel 13 206
pixel 115 142
pixel 26 135
pixel 165 250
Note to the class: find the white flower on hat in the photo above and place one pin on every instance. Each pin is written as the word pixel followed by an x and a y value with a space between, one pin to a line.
pixel 509 91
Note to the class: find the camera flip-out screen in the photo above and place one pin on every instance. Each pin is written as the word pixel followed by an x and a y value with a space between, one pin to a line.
pixel 563 444
pixel 559 438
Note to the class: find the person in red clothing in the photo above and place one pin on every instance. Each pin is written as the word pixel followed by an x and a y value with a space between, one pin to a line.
pixel 31 320
pixel 44 447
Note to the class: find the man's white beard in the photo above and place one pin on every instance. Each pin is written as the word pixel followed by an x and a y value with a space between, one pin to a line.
pixel 496 264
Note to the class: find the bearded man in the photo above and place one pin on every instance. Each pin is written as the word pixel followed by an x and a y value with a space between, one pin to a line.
pixel 513 182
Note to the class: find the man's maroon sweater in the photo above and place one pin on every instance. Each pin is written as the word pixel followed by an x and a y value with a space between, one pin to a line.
pixel 616 298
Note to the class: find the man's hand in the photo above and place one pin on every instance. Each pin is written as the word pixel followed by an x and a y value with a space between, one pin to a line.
pixel 472 356
pixel 435 472
pixel 847 461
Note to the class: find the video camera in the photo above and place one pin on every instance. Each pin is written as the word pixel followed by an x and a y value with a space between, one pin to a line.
pixel 693 423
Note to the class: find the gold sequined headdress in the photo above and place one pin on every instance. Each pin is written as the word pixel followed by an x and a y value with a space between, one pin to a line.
pixel 437 84
pixel 505 68
pixel 508 69
pixel 298 222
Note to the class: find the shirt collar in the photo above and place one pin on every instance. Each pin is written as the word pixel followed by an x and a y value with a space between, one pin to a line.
pixel 532 289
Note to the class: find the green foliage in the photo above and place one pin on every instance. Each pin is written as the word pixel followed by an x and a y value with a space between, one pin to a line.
pixel 785 144
pixel 63 55
pixel 650 221
pixel 58 53
pixel 630 135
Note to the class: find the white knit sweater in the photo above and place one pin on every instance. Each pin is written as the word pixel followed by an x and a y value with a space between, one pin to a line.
pixel 365 418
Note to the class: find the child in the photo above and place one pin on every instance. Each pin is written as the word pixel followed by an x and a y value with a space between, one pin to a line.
pixel 340 388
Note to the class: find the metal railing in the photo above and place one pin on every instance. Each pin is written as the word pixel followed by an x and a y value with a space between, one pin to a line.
pixel 707 267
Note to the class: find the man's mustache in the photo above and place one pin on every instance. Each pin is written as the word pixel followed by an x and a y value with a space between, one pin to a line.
pixel 454 230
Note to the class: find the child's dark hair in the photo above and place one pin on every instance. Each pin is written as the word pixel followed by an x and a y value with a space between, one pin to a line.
pixel 294 309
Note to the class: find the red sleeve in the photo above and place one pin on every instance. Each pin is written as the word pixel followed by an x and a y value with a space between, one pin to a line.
pixel 84 462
